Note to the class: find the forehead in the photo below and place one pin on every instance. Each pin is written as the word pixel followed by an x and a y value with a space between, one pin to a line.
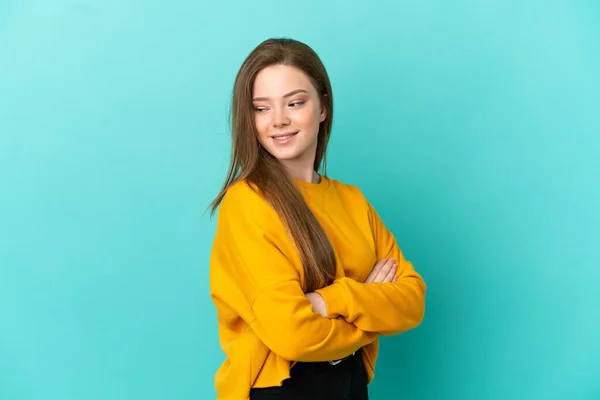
pixel 276 81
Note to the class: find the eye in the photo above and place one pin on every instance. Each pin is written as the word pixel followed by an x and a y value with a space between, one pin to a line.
pixel 260 109
pixel 297 104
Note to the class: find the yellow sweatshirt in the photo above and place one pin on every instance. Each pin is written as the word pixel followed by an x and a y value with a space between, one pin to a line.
pixel 265 321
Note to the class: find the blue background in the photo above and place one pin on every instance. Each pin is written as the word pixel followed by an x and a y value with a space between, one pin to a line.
pixel 473 127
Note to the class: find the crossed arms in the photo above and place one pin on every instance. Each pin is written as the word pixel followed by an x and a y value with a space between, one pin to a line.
pixel 330 323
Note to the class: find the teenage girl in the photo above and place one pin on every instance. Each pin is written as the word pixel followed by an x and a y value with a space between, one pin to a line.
pixel 304 275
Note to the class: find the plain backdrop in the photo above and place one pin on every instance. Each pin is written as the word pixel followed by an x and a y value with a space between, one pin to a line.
pixel 472 126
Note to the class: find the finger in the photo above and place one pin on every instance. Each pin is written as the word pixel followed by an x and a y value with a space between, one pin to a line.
pixel 395 278
pixel 384 271
pixel 391 275
pixel 375 270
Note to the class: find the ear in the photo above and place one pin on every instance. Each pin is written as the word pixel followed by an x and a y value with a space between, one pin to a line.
pixel 323 109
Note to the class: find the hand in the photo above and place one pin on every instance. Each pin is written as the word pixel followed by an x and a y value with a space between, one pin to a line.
pixel 383 272
pixel 318 303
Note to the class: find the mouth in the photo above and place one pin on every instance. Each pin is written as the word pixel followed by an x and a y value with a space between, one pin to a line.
pixel 283 137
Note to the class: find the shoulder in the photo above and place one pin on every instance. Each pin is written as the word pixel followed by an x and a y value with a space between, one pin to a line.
pixel 352 195
pixel 241 191
pixel 243 198
pixel 348 190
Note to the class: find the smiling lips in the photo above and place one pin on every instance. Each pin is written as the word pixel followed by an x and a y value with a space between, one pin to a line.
pixel 283 137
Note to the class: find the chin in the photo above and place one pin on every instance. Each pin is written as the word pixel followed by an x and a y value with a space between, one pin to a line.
pixel 287 155
pixel 282 154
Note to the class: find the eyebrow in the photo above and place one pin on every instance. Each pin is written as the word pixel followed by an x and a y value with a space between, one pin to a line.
pixel 293 92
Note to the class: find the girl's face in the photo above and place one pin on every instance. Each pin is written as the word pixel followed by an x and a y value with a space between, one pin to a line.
pixel 287 114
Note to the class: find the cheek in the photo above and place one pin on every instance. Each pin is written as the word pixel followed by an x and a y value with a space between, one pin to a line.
pixel 308 118
pixel 261 125
pixel 315 118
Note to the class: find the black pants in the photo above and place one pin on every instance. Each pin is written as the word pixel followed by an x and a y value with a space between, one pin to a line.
pixel 320 381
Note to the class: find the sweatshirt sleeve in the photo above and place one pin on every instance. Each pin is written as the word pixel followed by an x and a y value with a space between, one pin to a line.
pixel 388 308
pixel 250 244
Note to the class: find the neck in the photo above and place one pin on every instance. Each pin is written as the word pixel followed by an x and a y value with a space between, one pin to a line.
pixel 302 170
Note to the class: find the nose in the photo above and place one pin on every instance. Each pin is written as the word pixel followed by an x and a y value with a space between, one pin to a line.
pixel 280 118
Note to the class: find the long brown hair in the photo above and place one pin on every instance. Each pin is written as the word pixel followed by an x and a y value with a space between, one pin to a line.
pixel 258 167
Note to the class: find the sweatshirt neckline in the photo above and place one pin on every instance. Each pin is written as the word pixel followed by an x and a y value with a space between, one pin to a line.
pixel 321 186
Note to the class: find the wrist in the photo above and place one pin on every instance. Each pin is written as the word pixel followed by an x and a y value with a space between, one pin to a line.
pixel 318 303
pixel 321 305
pixel 334 296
